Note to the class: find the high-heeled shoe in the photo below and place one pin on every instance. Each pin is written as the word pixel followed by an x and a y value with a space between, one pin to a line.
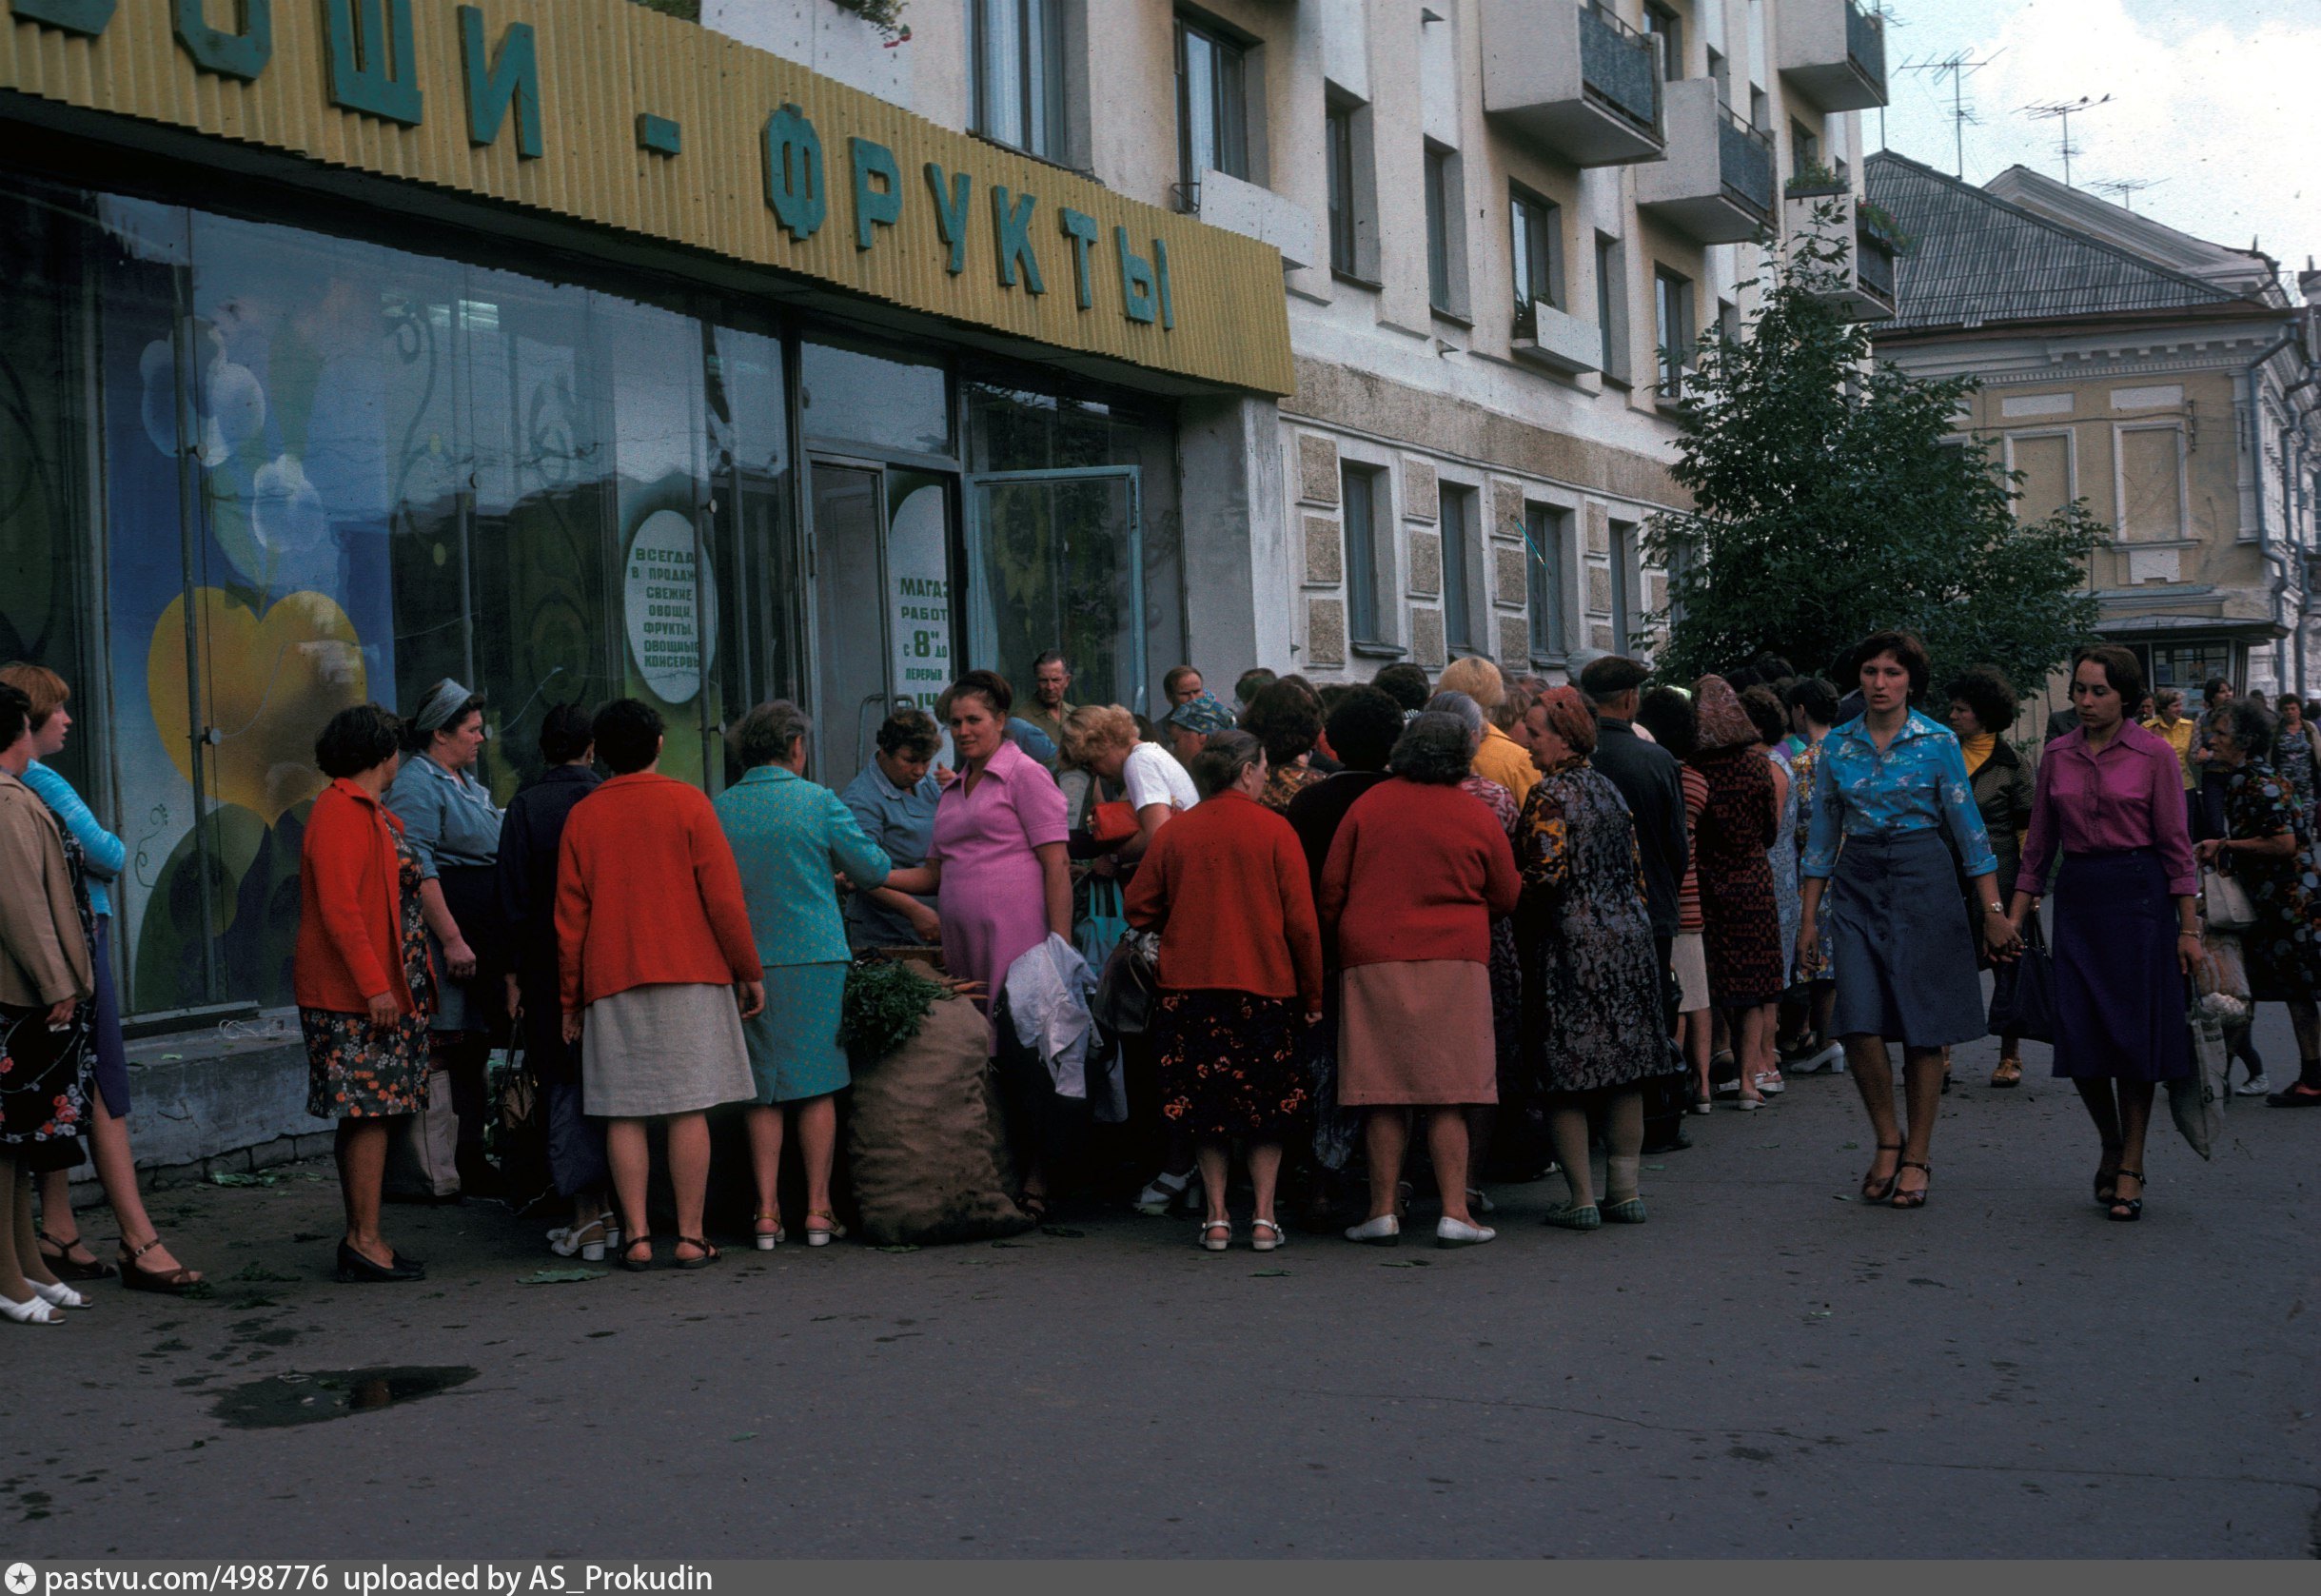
pixel 63 1264
pixel 36 1311
pixel 588 1240
pixel 826 1233
pixel 59 1295
pixel 168 1283
pixel 1872 1191
pixel 2126 1210
pixel 767 1240
pixel 1912 1199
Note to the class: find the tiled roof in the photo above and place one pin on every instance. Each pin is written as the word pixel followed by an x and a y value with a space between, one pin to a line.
pixel 1976 259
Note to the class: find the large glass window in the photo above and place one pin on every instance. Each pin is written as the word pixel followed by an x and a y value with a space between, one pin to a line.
pixel 1018 71
pixel 1672 328
pixel 871 400
pixel 1211 107
pixel 1546 540
pixel 1338 147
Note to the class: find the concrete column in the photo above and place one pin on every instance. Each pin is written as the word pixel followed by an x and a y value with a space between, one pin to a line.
pixel 1237 554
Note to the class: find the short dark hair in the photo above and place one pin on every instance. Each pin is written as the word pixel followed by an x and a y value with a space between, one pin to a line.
pixel 2214 684
pixel 1764 707
pixel 1177 673
pixel 767 733
pixel 15 715
pixel 1222 759
pixel 1613 674
pixel 1771 667
pixel 1432 751
pixel 356 739
pixel 1363 726
pixel 1668 715
pixel 564 734
pixel 627 734
pixel 1285 716
pixel 2252 724
pixel 1817 698
pixel 909 731
pixel 1908 653
pixel 1986 691
pixel 2121 669
pixel 1053 657
pixel 988 685
pixel 1250 682
pixel 419 741
pixel 1406 684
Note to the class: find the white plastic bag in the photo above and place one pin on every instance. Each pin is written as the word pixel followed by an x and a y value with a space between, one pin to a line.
pixel 1048 992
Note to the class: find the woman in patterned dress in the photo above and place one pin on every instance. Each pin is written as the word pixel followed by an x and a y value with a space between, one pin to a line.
pixel 2295 758
pixel 362 975
pixel 1772 722
pixel 1741 928
pixel 1592 987
pixel 2268 845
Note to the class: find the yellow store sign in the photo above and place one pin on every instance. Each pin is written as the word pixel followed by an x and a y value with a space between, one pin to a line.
pixel 604 112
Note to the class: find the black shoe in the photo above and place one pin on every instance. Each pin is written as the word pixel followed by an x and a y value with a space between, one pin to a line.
pixel 356 1269
pixel 415 1268
pixel 1676 1143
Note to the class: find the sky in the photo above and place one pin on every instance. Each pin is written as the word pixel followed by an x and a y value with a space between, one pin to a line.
pixel 2215 103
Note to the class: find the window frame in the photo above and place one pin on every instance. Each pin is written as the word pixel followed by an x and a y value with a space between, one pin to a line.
pixel 1625 580
pixel 1364 618
pixel 1672 356
pixel 1444 191
pixel 1041 111
pixel 1535 227
pixel 1547 552
pixel 1612 308
pixel 1227 110
pixel 1665 25
pixel 1458 504
pixel 1344 224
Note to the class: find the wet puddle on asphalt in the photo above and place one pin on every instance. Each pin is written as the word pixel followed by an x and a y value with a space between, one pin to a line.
pixel 281 1400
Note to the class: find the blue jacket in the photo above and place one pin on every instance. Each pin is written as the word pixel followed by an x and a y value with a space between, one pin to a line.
pixel 788 836
pixel 104 853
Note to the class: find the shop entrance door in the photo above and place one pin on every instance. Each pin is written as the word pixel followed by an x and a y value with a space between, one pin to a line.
pixel 1055 561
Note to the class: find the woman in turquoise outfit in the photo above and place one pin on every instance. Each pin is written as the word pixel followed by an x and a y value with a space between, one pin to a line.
pixel 789 836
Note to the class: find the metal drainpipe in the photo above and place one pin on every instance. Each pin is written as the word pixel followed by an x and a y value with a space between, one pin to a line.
pixel 2256 471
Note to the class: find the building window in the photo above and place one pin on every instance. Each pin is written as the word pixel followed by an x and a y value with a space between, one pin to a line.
pixel 1018 74
pixel 1665 28
pixel 1804 149
pixel 1672 328
pixel 1211 107
pixel 1721 71
pixel 1536 226
pixel 2151 488
pixel 1445 234
pixel 1627 626
pixel 1338 142
pixel 1458 528
pixel 1546 540
pixel 1612 306
pixel 2187 667
pixel 1358 490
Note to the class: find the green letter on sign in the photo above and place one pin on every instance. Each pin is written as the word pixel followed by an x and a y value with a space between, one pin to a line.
pixel 1160 270
pixel 794 174
pixel 874 206
pixel 1135 279
pixel 495 86
pixel 241 54
pixel 1081 229
pixel 950 214
pixel 1011 228
pixel 73 16
pixel 370 60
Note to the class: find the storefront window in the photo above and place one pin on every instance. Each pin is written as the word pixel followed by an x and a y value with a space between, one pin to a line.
pixel 875 401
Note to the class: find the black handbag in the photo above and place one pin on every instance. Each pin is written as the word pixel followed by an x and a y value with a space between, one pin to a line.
pixel 2023 990
pixel 1129 990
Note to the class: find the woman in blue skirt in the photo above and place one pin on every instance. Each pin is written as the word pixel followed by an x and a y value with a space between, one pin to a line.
pixel 1890 781
pixel 2111 801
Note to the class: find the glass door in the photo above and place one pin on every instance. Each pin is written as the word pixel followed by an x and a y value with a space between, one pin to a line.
pixel 1055 561
pixel 849 508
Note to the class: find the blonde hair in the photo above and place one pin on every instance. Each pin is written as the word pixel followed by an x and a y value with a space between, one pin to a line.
pixel 43 686
pixel 1092 728
pixel 1477 678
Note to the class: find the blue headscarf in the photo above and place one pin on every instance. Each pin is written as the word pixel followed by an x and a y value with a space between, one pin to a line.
pixel 1202 716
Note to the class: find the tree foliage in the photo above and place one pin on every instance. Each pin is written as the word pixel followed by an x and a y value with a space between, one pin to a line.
pixel 1833 498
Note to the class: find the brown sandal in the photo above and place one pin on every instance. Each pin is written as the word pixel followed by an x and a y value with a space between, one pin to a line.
pixel 139 1278
pixel 1872 1191
pixel 63 1265
pixel 1911 1199
pixel 708 1253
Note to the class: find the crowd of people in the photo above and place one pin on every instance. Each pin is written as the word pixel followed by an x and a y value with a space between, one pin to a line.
pixel 1526 927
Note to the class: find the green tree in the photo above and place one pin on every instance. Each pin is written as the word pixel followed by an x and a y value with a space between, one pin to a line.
pixel 1831 499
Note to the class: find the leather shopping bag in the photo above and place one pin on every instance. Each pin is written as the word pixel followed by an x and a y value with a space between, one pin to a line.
pixel 420 1160
pixel 1112 824
pixel 1128 990
pixel 2023 990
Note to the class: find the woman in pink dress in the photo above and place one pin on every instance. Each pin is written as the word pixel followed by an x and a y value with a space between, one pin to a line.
pixel 997 863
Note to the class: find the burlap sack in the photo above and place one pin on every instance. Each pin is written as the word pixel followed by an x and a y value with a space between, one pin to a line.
pixel 924 1141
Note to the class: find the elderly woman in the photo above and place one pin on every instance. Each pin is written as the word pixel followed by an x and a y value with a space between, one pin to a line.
pixel 1500 757
pixel 1591 973
pixel 145 1263
pixel 453 829
pixel 46 982
pixel 1416 873
pixel 658 971
pixel 893 800
pixel 1285 716
pixel 998 861
pixel 1889 781
pixel 362 975
pixel 789 836
pixel 1103 740
pixel 2268 845
pixel 1191 723
pixel 1741 930
pixel 1982 705
pixel 1240 978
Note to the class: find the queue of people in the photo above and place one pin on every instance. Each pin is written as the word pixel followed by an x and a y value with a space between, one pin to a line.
pixel 1514 925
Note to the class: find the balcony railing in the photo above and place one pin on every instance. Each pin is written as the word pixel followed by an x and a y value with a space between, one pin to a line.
pixel 1874 263
pixel 1618 67
pixel 1744 161
pixel 1865 43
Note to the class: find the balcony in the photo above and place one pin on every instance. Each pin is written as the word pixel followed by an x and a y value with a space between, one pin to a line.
pixel 1260 213
pixel 1716 183
pixel 1861 285
pixel 1578 81
pixel 1834 53
pixel 1547 337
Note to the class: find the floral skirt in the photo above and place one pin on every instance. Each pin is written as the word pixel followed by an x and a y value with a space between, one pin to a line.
pixel 1229 1063
pixel 357 1069
pixel 45 1085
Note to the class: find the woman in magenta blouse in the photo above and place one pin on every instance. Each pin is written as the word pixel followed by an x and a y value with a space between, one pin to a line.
pixel 2111 800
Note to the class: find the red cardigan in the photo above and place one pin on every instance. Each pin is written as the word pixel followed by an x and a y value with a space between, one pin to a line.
pixel 1226 885
pixel 350 905
pixel 647 893
pixel 1417 873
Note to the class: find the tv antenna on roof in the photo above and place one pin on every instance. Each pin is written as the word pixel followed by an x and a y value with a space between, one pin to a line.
pixel 2124 190
pixel 2062 111
pixel 1959 65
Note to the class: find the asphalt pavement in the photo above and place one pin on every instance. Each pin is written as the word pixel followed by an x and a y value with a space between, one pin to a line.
pixel 1767 1369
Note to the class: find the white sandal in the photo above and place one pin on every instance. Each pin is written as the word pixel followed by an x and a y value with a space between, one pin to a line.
pixel 59 1295
pixel 37 1311
pixel 1274 1236
pixel 589 1241
pixel 1218 1244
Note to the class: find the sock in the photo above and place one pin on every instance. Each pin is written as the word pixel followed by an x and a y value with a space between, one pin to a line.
pixel 1620 1179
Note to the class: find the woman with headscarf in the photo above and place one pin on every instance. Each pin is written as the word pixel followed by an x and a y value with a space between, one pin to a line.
pixel 1285 716
pixel 1591 973
pixel 1741 930
pixel 452 828
pixel 1416 874
pixel 1190 723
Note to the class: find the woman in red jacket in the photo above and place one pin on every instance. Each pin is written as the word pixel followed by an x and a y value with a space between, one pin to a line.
pixel 1240 977
pixel 1418 872
pixel 656 953
pixel 364 987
